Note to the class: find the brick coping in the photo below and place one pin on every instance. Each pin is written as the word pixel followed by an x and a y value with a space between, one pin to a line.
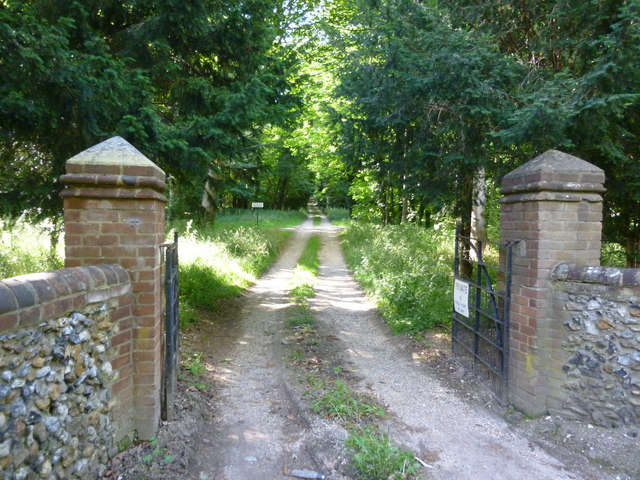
pixel 27 299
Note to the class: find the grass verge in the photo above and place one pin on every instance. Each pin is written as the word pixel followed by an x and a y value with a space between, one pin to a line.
pixel 219 261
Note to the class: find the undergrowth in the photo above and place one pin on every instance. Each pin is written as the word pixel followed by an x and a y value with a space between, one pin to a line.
pixel 26 248
pixel 407 269
pixel 338 216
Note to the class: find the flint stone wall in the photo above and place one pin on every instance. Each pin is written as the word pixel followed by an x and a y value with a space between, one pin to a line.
pixel 598 318
pixel 65 370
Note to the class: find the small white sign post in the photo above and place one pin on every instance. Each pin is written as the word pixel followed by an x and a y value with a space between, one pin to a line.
pixel 461 297
pixel 257 206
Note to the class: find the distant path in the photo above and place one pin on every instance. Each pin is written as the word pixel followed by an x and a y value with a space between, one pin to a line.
pixel 259 425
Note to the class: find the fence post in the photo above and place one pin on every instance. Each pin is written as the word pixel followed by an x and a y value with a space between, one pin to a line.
pixel 552 206
pixel 114 212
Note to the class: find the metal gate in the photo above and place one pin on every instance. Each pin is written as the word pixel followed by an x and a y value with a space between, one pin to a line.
pixel 480 327
pixel 172 323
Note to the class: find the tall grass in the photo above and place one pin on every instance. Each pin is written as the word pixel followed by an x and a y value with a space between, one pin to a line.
pixel 219 261
pixel 407 269
pixel 26 248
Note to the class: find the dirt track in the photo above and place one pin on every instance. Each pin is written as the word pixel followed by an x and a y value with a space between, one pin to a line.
pixel 254 422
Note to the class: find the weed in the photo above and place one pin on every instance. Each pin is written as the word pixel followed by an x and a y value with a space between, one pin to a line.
pixel 300 317
pixel 376 458
pixel 341 403
pixel 301 293
pixel 304 275
pixel 194 364
pixel 312 380
pixel 307 329
pixel 317 220
pixel 297 356
pixel 157 453
pixel 188 314
pixel 613 255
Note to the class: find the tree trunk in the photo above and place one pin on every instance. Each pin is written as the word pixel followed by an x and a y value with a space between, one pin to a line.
pixel 478 210
pixel 465 207
pixel 385 212
pixel 427 217
pixel 405 201
pixel 282 192
pixel 391 204
pixel 209 201
pixel 632 251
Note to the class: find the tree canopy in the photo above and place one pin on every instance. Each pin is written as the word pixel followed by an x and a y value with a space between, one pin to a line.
pixel 397 109
pixel 191 83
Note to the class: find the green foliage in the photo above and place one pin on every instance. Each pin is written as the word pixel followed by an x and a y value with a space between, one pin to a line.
pixel 340 402
pixel 376 458
pixel 299 316
pixel 156 453
pixel 407 269
pixel 26 248
pixel 581 92
pixel 422 102
pixel 191 84
pixel 338 215
pixel 194 365
pixel 613 255
pixel 301 293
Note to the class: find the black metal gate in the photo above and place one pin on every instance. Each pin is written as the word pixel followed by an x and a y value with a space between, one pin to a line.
pixel 480 327
pixel 172 323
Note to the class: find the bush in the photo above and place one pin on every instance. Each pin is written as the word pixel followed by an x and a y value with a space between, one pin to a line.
pixel 407 269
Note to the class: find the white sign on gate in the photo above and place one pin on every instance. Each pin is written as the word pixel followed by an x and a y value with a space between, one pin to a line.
pixel 461 297
pixel 257 204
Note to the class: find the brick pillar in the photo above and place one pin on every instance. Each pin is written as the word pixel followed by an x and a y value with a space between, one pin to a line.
pixel 552 205
pixel 114 212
